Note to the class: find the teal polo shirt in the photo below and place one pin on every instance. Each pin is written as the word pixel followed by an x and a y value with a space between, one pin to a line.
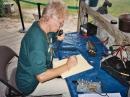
pixel 33 59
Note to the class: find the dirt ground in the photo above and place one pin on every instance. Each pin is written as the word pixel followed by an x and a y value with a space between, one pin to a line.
pixel 12 24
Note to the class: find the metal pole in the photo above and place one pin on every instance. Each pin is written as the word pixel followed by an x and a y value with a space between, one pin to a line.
pixel 78 26
pixel 39 10
pixel 21 16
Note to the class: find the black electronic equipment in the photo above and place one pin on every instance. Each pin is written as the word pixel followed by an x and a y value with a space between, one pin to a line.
pixel 60 32
pixel 103 9
pixel 88 29
pixel 117 69
pixel 91 48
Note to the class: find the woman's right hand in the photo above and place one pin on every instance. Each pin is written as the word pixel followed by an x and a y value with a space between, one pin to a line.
pixel 71 62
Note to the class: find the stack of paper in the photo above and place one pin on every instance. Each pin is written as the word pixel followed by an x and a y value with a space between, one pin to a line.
pixel 82 65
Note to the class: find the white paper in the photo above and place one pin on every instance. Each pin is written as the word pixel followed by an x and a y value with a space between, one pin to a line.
pixel 97 95
pixel 82 65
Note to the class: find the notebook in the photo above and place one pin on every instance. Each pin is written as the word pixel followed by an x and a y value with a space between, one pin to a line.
pixel 81 66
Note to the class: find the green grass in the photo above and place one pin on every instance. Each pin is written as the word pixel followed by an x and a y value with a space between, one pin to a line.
pixel 68 3
pixel 26 5
pixel 118 6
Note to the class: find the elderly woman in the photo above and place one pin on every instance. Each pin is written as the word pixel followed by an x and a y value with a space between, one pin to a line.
pixel 34 75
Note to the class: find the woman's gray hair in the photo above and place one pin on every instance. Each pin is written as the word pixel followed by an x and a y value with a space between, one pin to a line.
pixel 55 8
pixel 51 1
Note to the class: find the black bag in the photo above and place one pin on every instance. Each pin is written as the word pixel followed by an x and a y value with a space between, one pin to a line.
pixel 116 68
pixel 89 29
pixel 127 63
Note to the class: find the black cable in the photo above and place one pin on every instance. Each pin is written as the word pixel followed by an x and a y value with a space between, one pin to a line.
pixel 101 88
pixel 102 94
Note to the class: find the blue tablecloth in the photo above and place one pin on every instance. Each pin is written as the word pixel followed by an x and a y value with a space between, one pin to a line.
pixel 74 44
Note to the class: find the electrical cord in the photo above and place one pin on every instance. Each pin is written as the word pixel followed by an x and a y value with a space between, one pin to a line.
pixel 122 73
pixel 102 94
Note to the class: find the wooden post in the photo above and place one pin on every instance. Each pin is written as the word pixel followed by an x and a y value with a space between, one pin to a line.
pixel 82 15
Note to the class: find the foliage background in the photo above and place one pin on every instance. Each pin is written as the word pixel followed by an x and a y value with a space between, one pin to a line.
pixel 118 6
pixel 1 8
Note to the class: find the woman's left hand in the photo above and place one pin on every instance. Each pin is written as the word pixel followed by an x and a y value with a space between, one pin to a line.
pixel 61 37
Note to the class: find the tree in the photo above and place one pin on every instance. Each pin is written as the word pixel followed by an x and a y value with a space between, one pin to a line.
pixel 1 8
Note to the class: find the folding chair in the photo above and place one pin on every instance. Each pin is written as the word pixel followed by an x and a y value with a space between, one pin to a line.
pixel 6 54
